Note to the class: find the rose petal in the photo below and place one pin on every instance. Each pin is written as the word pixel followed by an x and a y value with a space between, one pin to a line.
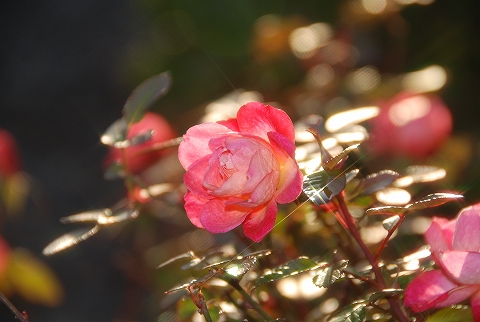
pixel 261 222
pixel 213 177
pixel 265 189
pixel 463 267
pixel 467 236
pixel 433 289
pixel 232 124
pixel 435 236
pixel 193 207
pixel 475 303
pixel 258 119
pixel 195 142
pixel 290 183
pixel 232 186
pixel 216 217
pixel 278 140
pixel 261 163
pixel 194 177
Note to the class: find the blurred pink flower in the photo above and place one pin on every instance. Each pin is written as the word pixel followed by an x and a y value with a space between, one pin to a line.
pixel 411 125
pixel 137 158
pixel 9 154
pixel 239 169
pixel 455 247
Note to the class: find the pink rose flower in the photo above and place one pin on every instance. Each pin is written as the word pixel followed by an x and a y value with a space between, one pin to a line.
pixel 455 247
pixel 238 170
pixel 411 125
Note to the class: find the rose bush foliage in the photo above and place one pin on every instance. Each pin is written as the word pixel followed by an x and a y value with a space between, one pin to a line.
pixel 238 170
pixel 455 247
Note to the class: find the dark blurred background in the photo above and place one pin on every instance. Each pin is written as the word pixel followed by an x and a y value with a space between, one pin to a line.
pixel 67 67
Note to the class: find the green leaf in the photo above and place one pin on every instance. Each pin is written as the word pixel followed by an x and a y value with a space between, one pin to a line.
pixel 322 186
pixel 383 294
pixel 390 222
pixel 432 200
pixel 354 312
pixel 332 163
pixel 376 181
pixel 301 264
pixel 452 314
pixel 330 274
pixel 144 96
pixel 33 279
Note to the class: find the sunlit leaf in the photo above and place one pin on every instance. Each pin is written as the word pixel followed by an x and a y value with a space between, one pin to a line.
pixel 291 268
pixel 386 210
pixel 321 186
pixel 390 222
pixel 452 314
pixel 432 200
pixel 189 254
pixel 375 182
pixel 384 294
pixel 330 274
pixel 354 312
pixel 97 216
pixel 240 265
pixel 70 239
pixel 32 279
pixel 350 175
pixel 144 96
pixel 115 133
pixel 332 163
pixel 420 173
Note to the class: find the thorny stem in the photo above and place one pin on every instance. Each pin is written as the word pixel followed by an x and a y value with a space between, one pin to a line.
pixel 249 299
pixel 12 308
pixel 352 228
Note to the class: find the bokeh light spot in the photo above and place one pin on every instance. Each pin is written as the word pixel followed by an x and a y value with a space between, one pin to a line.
pixel 408 110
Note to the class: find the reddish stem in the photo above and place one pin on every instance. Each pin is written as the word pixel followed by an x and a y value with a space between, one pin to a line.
pixel 352 228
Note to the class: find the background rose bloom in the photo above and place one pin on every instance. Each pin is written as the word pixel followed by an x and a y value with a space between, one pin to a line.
pixel 455 246
pixel 238 171
pixel 139 157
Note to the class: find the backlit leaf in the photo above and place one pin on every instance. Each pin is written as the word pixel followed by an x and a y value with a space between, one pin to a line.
pixel 432 200
pixel 321 186
pixel 354 312
pixel 384 294
pixel 144 96
pixel 301 264
pixel 330 274
pixel 332 163
pixel 115 133
pixel 390 222
pixel 375 182
pixel 386 210
pixel 70 239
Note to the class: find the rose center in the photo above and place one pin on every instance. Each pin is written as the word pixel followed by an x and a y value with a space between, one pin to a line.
pixel 226 165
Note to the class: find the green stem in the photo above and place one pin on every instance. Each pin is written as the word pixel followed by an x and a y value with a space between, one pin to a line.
pixel 205 313
pixel 352 228
pixel 249 299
